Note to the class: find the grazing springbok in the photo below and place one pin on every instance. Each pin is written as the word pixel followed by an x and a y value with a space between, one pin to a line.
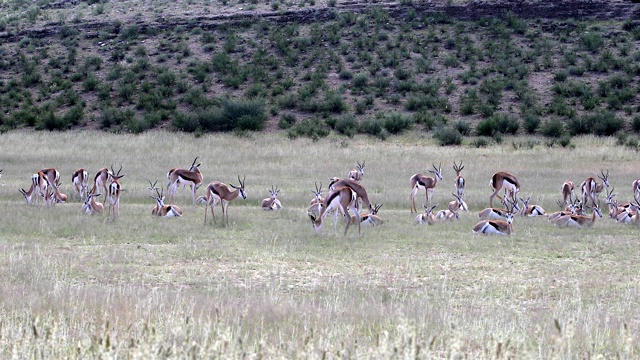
pixel 359 194
pixel 427 183
pixel 41 187
pixel 80 182
pixel 357 173
pixel 579 221
pixel 568 191
pixel 591 189
pixel 508 182
pixel 115 190
pixel 101 182
pixel 192 177
pixel 29 195
pixel 531 210
pixel 218 192
pixel 497 227
pixel 272 203
pixel 338 200
pixel 460 183
pixel 427 217
pixel 91 206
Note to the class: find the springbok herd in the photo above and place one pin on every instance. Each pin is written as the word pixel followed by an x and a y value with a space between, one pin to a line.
pixel 347 194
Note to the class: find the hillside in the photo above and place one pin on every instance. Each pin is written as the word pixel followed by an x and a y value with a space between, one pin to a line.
pixel 462 67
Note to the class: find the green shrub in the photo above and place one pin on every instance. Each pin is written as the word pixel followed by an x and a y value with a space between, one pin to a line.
pixel 185 122
pixel 553 128
pixel 480 142
pixel 463 127
pixel 592 41
pixel 560 75
pixel 312 128
pixel 507 124
pixel 487 127
pixel 374 127
pixel 347 125
pixel 286 121
pixel 531 122
pixel 635 123
pixel 605 123
pixel 397 123
pixel 447 136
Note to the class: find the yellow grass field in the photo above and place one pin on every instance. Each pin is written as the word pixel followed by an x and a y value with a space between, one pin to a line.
pixel 267 286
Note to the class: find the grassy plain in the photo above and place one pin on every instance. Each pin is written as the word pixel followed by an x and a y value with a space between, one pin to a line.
pixel 76 286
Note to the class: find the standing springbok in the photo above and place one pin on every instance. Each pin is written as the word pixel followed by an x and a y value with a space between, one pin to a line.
pixel 427 217
pixel 272 203
pixel 357 173
pixel 568 191
pixel 101 182
pixel 80 182
pixel 635 188
pixel 531 210
pixel 420 182
pixel 508 182
pixel 591 189
pixel 359 194
pixel 41 187
pixel 218 192
pixel 498 227
pixel 115 190
pixel 338 200
pixel 460 182
pixel 191 177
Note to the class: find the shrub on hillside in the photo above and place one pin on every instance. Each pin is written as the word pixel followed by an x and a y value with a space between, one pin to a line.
pixel 487 127
pixel 531 122
pixel 397 123
pixel 347 125
pixel 374 127
pixel 312 128
pixel 447 136
pixel 553 128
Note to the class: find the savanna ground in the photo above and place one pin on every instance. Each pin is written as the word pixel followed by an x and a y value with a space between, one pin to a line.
pixel 265 285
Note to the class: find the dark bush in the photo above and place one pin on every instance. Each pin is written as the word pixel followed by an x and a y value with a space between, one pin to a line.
pixel 286 121
pixel 487 127
pixel 605 123
pixel 447 136
pixel 347 125
pixel 463 127
pixel 397 123
pixel 553 128
pixel 635 123
pixel 312 128
pixel 374 127
pixel 531 122
pixel 185 122
pixel 507 124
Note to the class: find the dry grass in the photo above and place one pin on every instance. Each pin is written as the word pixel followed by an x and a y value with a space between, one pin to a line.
pixel 75 286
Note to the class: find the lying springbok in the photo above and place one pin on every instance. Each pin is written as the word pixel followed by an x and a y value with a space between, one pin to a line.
pixel 531 210
pixel 427 217
pixel 272 203
pixel 497 227
pixel 163 210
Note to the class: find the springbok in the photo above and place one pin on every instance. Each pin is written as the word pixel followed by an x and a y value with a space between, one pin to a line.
pixel 163 210
pixel 531 210
pixel 357 173
pixel 427 217
pixel 568 191
pixel 499 214
pixel 579 221
pixel 497 227
pixel 339 199
pixel 91 206
pixel 218 192
pixel 420 182
pixel 591 189
pixel 115 190
pixel 504 180
pixel 371 219
pixel 80 182
pixel 460 182
pixel 272 203
pixel 192 177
